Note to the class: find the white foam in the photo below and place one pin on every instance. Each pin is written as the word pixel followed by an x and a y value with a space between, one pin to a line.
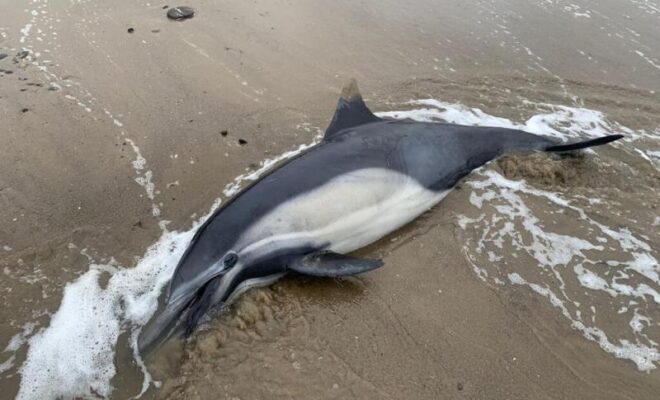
pixel 554 251
pixel 144 179
pixel 74 355
pixel 19 339
pixel 25 32
pixel 558 121
pixel 648 59
pixel 515 223
pixel 642 355
pixel 8 364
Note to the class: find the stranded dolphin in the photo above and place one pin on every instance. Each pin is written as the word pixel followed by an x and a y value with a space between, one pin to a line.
pixel 366 178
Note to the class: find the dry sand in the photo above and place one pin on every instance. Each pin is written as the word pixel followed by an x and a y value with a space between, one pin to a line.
pixel 423 327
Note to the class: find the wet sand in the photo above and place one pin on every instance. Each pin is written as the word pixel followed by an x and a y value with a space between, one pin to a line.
pixel 426 325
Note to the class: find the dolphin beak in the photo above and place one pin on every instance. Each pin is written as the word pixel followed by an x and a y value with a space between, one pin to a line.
pixel 165 324
pixel 181 314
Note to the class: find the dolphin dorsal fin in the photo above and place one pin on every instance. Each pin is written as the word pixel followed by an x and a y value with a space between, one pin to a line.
pixel 351 111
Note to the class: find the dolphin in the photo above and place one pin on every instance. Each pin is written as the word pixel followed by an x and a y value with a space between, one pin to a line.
pixel 367 178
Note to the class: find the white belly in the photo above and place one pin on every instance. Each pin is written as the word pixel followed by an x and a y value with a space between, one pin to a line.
pixel 347 213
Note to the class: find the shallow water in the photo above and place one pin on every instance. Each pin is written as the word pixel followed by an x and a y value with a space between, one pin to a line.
pixel 536 278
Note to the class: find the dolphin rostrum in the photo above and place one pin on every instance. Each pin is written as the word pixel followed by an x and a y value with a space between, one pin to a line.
pixel 366 178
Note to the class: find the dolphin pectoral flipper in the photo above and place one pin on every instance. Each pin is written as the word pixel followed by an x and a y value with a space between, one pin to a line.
pixel 330 264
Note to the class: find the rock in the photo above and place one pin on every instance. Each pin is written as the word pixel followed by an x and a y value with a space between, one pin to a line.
pixel 22 54
pixel 131 30
pixel 224 133
pixel 179 13
pixel 3 56
pixel 242 142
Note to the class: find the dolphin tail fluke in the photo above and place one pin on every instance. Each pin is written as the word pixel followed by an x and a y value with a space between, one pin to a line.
pixel 583 145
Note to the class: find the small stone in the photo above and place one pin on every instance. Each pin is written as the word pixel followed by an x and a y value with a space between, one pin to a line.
pixel 25 110
pixel 155 31
pixel 3 56
pixel 224 133
pixel 178 13
pixel 166 7
pixel 21 54
pixel 131 30
pixel 8 72
pixel 459 386
pixel 242 142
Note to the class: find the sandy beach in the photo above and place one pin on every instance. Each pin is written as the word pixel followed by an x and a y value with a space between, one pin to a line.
pixel 537 278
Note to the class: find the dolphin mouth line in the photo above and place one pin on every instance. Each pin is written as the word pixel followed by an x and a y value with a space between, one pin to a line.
pixel 168 322
pixel 198 306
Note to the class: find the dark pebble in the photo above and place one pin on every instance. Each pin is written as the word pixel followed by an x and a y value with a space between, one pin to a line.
pixel 166 7
pixel 131 30
pixel 52 88
pixel 23 90
pixel 459 386
pixel 9 72
pixel 22 54
pixel 224 133
pixel 242 142
pixel 178 13
pixel 155 30
pixel 3 56
pixel 25 110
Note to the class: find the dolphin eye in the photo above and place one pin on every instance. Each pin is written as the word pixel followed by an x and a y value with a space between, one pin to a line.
pixel 230 259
